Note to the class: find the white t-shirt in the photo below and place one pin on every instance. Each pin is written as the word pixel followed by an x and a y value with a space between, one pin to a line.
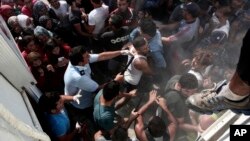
pixel 62 12
pixel 97 18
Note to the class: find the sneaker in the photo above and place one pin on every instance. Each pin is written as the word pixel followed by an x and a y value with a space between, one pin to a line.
pixel 245 112
pixel 208 102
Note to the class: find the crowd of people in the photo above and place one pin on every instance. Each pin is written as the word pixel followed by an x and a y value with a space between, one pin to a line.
pixel 105 66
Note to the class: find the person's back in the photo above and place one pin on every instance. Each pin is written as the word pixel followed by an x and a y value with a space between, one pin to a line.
pixel 97 17
pixel 178 88
pixel 104 109
pixel 156 127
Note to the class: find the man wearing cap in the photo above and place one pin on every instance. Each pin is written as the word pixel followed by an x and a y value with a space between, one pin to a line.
pixel 181 43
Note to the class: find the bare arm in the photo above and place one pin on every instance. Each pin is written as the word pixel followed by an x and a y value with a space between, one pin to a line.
pixel 187 127
pixel 152 97
pixel 139 129
pixel 142 64
pixel 108 55
pixel 173 123
pixel 132 117
pixel 79 30
pixel 90 28
pixel 67 98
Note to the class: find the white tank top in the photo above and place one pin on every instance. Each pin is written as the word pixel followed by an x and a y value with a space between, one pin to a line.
pixel 133 75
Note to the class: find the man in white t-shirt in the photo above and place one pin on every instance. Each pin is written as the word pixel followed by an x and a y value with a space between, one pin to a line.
pixel 97 17
pixel 61 9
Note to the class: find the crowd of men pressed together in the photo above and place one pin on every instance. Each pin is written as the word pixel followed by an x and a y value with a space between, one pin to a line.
pixel 106 66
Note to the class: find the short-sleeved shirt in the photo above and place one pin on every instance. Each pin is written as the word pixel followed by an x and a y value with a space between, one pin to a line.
pixel 103 115
pixel 129 16
pixel 176 104
pixel 114 40
pixel 59 123
pixel 62 12
pixel 186 32
pixel 155 46
pixel 97 18
pixel 75 81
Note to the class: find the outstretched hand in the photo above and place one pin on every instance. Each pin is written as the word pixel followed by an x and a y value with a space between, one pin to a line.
pixel 78 127
pixel 152 96
pixel 77 96
pixel 125 52
pixel 161 102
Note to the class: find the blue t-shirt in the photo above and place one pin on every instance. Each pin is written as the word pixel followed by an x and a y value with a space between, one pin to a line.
pixel 59 123
pixel 103 115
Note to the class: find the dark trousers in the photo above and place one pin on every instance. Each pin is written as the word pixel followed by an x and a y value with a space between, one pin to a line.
pixel 79 115
pixel 243 66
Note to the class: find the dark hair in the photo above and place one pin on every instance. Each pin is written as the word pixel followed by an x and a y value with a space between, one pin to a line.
pixel 43 20
pixel 111 90
pixel 96 1
pixel 51 44
pixel 188 81
pixel 75 55
pixel 116 20
pixel 22 43
pixel 192 8
pixel 70 2
pixel 156 126
pixel 224 2
pixel 120 134
pixel 48 101
pixel 204 4
pixel 139 42
pixel 148 27
pixel 225 10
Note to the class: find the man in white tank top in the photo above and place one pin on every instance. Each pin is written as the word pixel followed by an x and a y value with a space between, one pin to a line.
pixel 136 68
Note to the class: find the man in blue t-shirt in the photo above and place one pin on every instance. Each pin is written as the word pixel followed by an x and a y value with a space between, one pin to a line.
pixel 52 105
pixel 104 109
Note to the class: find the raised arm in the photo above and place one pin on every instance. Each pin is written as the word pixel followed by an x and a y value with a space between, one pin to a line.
pixel 172 122
pixel 152 97
pixel 139 126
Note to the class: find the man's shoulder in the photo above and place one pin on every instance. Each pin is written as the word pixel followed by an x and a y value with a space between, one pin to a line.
pixel 171 82
pixel 172 96
pixel 172 93
pixel 139 60
pixel 107 34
